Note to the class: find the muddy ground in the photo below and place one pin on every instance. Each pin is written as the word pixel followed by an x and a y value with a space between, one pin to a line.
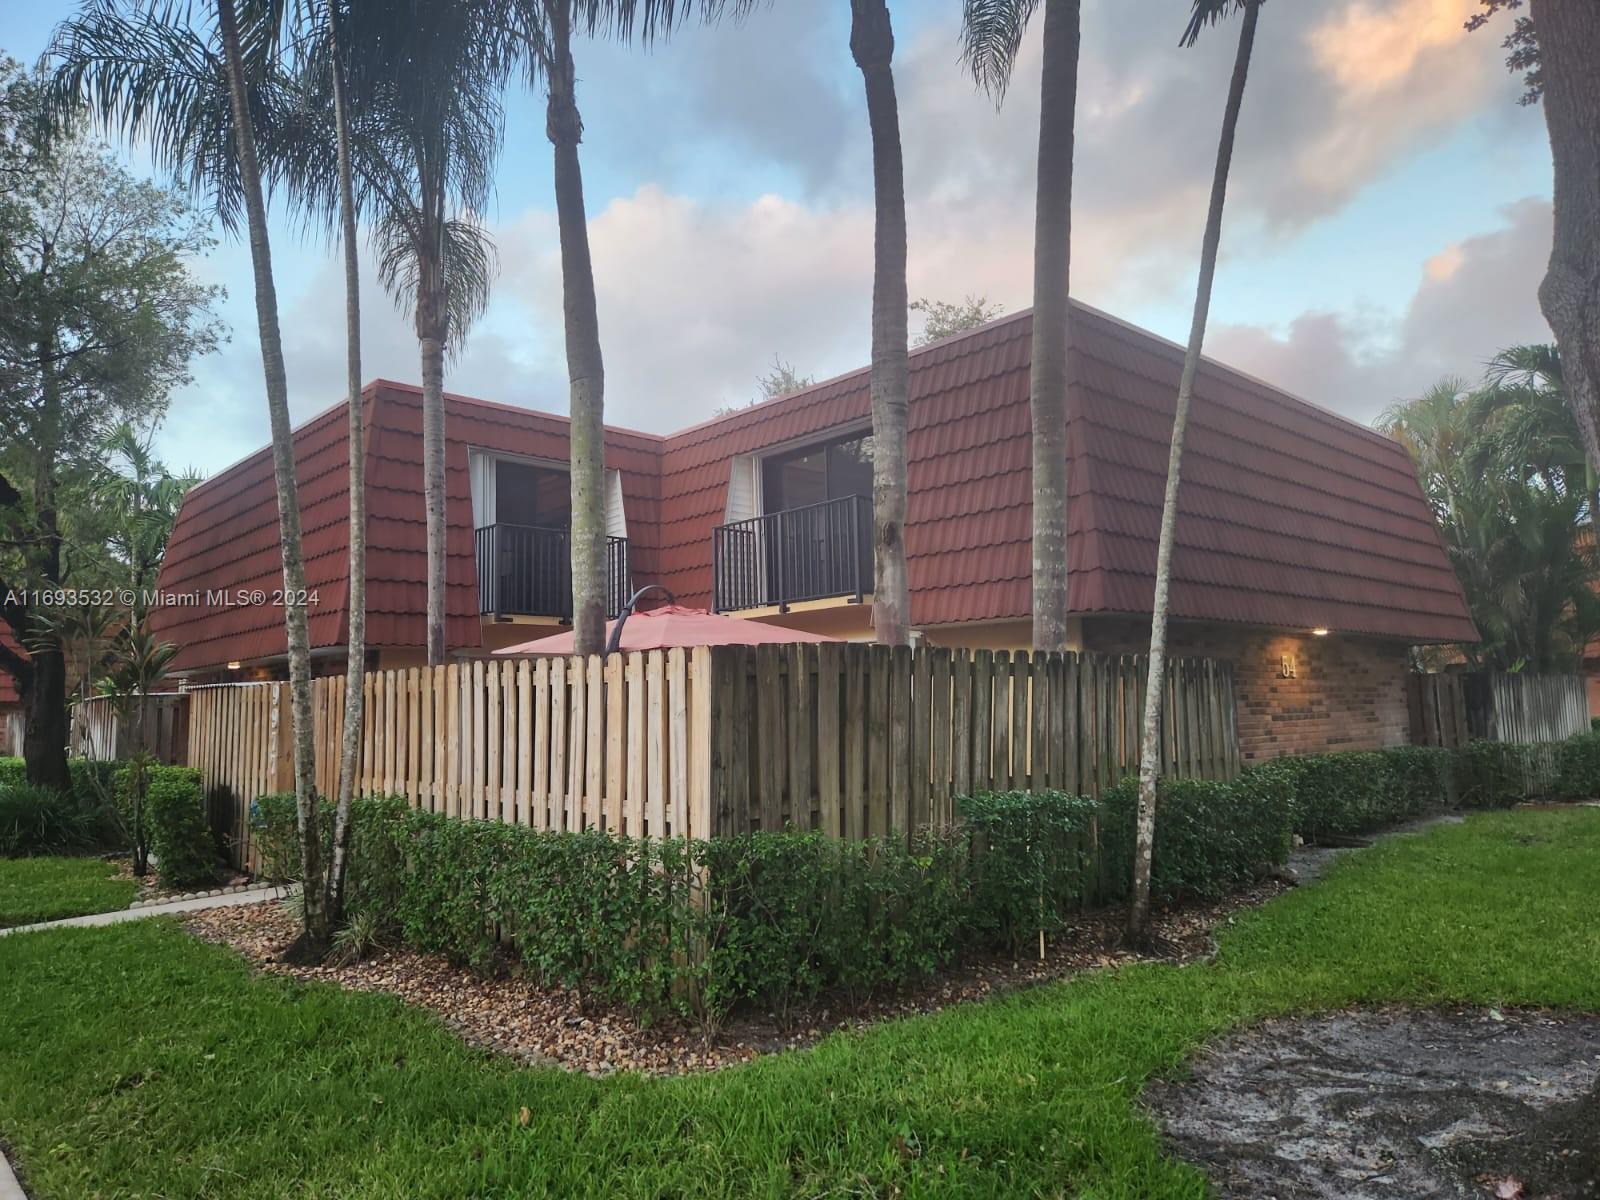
pixel 1384 1104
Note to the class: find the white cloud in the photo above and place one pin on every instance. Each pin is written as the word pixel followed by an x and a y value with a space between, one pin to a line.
pixel 1458 317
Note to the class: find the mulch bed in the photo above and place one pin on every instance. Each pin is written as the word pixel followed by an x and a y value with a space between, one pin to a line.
pixel 555 1026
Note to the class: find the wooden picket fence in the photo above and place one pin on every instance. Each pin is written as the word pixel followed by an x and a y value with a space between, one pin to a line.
pixel 97 730
pixel 1498 706
pixel 857 741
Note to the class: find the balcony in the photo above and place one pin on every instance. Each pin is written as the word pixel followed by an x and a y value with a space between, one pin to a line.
pixel 525 571
pixel 816 552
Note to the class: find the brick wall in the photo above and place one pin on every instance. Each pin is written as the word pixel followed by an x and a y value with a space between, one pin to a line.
pixel 1347 693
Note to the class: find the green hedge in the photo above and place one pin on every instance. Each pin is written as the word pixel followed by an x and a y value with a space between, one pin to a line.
pixel 1355 792
pixel 771 919
pixel 12 771
pixel 1033 861
pixel 1211 838
pixel 1578 766
pixel 175 822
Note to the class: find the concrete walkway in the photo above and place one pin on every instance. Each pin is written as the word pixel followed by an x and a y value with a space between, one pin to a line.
pixel 194 904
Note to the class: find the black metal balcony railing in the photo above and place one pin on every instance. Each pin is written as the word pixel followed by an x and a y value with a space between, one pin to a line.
pixel 809 553
pixel 525 571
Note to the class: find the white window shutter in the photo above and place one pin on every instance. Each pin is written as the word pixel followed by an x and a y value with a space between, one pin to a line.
pixel 480 472
pixel 744 488
pixel 616 514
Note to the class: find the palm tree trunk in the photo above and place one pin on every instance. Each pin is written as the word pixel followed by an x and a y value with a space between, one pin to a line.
pixel 1052 269
pixel 431 332
pixel 1150 746
pixel 585 367
pixel 314 940
pixel 1569 47
pixel 872 45
pixel 356 637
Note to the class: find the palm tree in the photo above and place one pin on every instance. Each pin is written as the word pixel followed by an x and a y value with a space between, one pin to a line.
pixel 1503 469
pixel 992 34
pixel 326 64
pixel 872 47
pixel 140 664
pixel 585 364
pixel 542 39
pixel 195 95
pixel 426 79
pixel 1205 12
pixel 142 500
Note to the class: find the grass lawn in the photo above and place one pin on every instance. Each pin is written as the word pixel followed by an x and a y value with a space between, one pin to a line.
pixel 46 889
pixel 137 1061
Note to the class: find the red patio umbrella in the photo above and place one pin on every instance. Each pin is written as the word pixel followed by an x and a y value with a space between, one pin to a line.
pixel 673 625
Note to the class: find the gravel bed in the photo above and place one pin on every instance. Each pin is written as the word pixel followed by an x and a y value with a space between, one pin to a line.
pixel 555 1026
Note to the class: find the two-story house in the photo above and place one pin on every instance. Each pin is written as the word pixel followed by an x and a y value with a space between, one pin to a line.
pixel 1306 553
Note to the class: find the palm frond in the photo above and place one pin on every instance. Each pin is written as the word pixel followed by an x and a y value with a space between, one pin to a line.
pixel 148 73
pixel 991 35
pixel 1210 12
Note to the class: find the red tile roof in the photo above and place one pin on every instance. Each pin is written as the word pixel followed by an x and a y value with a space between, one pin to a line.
pixel 1290 516
pixel 226 536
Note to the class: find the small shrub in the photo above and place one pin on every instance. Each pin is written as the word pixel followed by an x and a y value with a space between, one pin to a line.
pixel 1493 774
pixel 37 820
pixel 1212 838
pixel 790 915
pixel 12 771
pixel 1032 856
pixel 174 816
pixel 1578 766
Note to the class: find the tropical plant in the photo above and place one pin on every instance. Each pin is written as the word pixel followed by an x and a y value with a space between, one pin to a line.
pixel 424 83
pixel 1511 490
pixel 140 498
pixel 872 47
pixel 991 36
pixel 1205 12
pixel 140 665
pixel 194 92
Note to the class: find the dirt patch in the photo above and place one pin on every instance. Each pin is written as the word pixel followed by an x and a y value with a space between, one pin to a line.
pixel 1383 1104
pixel 556 1026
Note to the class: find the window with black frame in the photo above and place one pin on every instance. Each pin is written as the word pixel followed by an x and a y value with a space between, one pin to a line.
pixel 818 535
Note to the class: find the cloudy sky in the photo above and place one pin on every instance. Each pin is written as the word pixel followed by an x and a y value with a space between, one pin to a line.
pixel 1388 216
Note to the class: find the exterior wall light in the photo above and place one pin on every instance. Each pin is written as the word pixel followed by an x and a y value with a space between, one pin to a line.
pixel 1319 633
pixel 233 665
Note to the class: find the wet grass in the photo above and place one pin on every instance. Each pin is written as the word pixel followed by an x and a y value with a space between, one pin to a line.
pixel 135 1060
pixel 47 889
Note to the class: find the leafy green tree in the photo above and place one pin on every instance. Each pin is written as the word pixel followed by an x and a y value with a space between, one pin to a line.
pixel 992 33
pixel 99 322
pixel 1503 470
pixel 942 319
pixel 1204 12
